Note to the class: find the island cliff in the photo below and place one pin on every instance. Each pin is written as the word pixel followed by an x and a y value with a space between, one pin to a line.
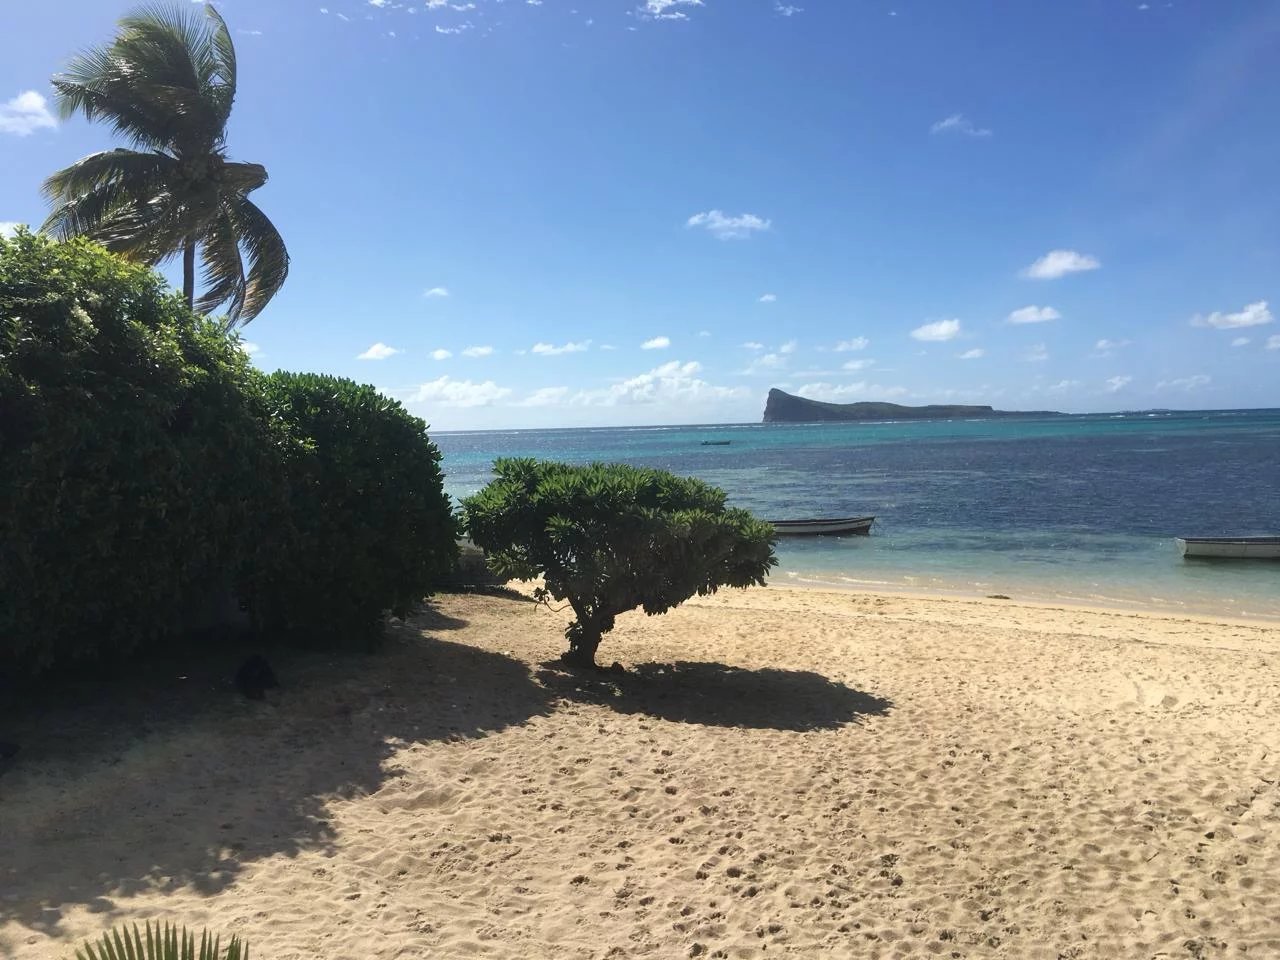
pixel 782 407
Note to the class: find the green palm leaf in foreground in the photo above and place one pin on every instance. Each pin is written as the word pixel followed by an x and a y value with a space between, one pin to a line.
pixel 166 84
pixel 160 943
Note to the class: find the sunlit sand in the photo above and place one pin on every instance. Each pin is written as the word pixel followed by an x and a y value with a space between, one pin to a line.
pixel 779 773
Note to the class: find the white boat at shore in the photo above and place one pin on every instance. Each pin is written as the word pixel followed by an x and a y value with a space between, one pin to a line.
pixel 819 527
pixel 1230 548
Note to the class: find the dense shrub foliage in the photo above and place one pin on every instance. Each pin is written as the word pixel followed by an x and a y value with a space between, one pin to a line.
pixel 149 477
pixel 369 527
pixel 134 455
pixel 609 538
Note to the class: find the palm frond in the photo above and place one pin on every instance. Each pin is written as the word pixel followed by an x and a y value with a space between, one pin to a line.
pixel 161 82
pixel 265 250
pixel 161 943
pixel 223 79
pixel 222 268
pixel 243 178
pixel 123 199
pixel 92 84
pixel 138 170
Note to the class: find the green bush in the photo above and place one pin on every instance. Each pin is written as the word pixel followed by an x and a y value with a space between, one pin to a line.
pixel 135 456
pixel 156 942
pixel 369 527
pixel 609 538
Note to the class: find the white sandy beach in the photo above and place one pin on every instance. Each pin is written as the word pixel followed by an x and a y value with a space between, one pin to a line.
pixel 780 773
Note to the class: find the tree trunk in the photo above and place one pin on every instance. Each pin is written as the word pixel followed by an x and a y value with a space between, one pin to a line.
pixel 584 636
pixel 189 273
pixel 582 649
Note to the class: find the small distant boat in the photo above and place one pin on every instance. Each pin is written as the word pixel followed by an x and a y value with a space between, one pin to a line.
pixel 1232 548
pixel 716 443
pixel 829 526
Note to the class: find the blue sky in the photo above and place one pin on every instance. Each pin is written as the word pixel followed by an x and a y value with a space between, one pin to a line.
pixel 510 213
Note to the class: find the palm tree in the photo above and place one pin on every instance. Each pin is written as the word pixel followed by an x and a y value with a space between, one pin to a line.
pixel 166 83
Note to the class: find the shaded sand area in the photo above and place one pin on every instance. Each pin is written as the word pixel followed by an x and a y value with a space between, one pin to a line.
pixel 781 773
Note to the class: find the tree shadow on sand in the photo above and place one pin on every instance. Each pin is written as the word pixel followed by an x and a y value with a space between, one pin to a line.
pixel 716 694
pixel 165 777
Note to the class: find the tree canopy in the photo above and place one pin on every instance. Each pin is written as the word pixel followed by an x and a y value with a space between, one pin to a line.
pixel 609 538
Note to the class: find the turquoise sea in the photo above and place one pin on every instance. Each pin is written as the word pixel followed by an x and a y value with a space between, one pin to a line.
pixel 1079 509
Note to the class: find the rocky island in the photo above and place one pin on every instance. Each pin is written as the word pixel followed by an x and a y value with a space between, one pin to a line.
pixel 783 407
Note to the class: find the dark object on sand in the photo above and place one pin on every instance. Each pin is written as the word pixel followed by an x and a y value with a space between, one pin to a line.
pixel 8 750
pixel 255 677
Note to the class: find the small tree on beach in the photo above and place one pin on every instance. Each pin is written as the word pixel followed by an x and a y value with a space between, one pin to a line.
pixel 166 84
pixel 608 538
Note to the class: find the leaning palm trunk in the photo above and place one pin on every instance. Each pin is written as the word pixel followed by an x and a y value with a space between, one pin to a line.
pixel 161 943
pixel 167 83
pixel 189 272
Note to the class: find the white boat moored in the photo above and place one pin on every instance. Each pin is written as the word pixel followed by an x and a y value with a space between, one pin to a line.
pixel 1232 548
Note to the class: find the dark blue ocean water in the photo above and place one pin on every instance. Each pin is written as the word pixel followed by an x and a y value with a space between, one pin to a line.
pixel 1081 509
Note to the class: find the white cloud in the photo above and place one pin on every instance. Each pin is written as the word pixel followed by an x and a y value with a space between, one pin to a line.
pixel 1237 342
pixel 545 397
pixel 460 28
pixel 25 114
pixel 249 347
pixel 379 3
pixel 857 343
pixel 753 345
pixel 959 123
pixel 1062 386
pixel 667 9
pixel 1037 354
pixel 478 352
pixel 1253 315
pixel 788 347
pixel 976 353
pixel 603 346
pixel 937 331
pixel 724 227
pixel 436 292
pixel 769 363
pixel 379 351
pixel 671 383
pixel 849 392
pixel 9 228
pixel 1116 384
pixel 448 392
pixel 858 364
pixel 1187 384
pixel 1273 343
pixel 1059 263
pixel 1034 314
pixel 657 343
pixel 769 298
pixel 786 10
pixel 550 350
pixel 1106 345
pixel 704 333
pixel 441 354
